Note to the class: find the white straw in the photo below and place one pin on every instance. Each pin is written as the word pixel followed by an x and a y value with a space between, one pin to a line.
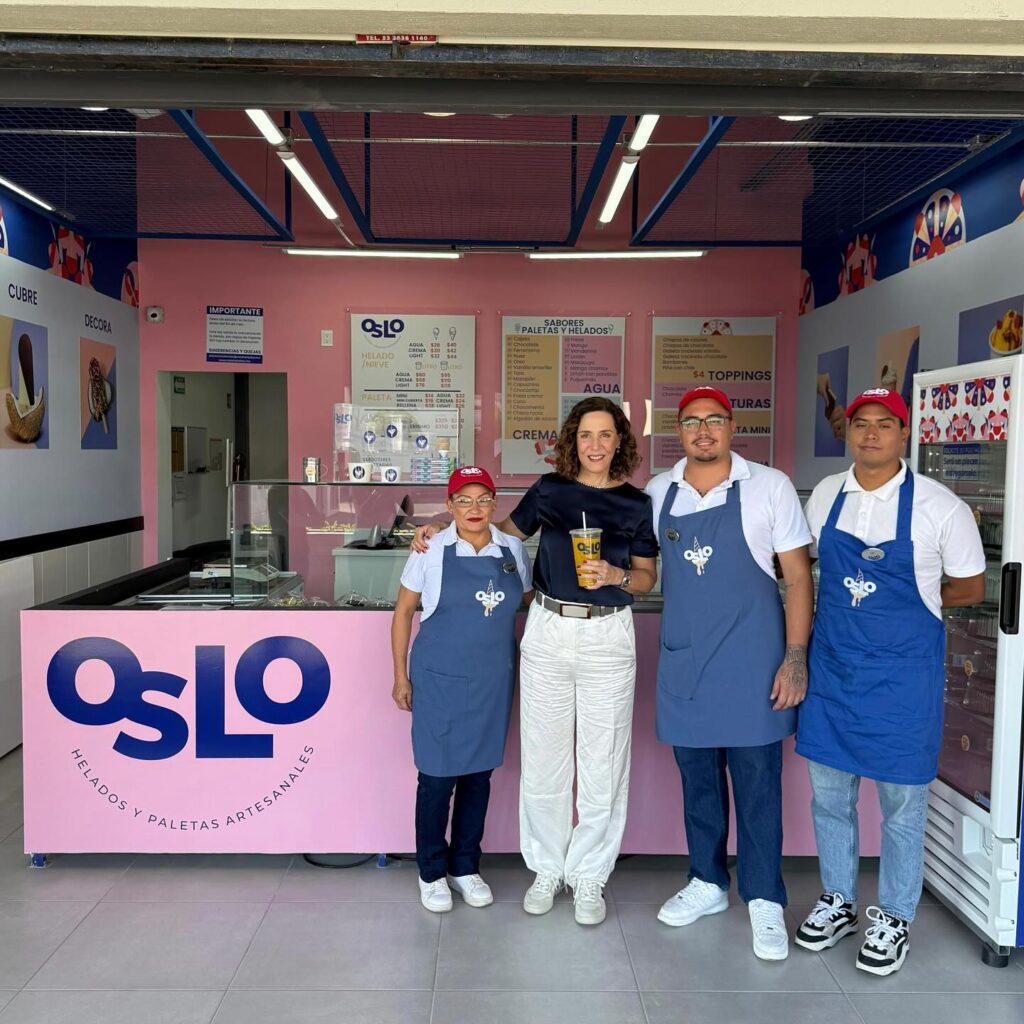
pixel 584 520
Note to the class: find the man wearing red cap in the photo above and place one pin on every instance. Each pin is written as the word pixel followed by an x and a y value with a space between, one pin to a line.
pixel 885 539
pixel 732 666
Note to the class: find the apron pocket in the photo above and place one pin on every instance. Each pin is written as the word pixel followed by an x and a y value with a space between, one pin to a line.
pixel 677 673
pixel 898 688
pixel 437 694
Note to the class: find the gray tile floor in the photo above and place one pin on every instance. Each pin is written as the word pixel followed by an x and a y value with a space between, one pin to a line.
pixel 119 939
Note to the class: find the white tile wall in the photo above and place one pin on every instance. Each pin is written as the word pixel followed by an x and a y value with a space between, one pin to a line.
pixel 46 577
pixel 16 592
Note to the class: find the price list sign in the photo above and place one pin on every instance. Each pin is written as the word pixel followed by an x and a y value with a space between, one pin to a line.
pixel 736 356
pixel 416 362
pixel 548 365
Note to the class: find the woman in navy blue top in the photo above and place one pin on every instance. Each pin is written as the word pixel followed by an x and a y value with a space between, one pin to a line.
pixel 578 658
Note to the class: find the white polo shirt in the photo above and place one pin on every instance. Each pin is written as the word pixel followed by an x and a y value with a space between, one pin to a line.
pixel 770 512
pixel 942 527
pixel 422 573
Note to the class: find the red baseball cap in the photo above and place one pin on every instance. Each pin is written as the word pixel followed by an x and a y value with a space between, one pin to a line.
pixel 469 475
pixel 706 391
pixel 892 400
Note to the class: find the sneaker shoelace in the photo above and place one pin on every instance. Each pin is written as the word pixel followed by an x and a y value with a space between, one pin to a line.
pixel 588 889
pixel 474 881
pixel 545 885
pixel 886 929
pixel 695 892
pixel 436 888
pixel 829 908
pixel 765 916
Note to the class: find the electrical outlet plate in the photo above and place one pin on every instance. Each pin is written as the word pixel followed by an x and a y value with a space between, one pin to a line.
pixel 326 339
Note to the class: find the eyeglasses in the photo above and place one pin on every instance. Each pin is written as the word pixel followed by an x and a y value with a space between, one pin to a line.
pixel 691 424
pixel 462 501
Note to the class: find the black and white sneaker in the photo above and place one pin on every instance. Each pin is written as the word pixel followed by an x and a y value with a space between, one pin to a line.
pixel 886 943
pixel 831 919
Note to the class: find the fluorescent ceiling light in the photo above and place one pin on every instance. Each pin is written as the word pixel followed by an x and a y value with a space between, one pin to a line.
pixel 628 254
pixel 393 254
pixel 615 193
pixel 434 113
pixel 795 117
pixel 643 131
pixel 302 176
pixel 8 184
pixel 96 110
pixel 268 129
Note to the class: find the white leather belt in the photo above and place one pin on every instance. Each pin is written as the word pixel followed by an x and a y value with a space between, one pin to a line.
pixel 575 610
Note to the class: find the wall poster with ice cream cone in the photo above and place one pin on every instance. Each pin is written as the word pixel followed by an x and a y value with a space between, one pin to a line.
pixel 98 388
pixel 896 359
pixel 24 385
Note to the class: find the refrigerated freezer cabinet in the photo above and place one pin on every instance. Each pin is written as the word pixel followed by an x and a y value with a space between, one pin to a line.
pixel 967 432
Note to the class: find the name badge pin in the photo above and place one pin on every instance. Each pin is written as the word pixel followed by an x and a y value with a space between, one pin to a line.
pixel 873 554
pixel 508 568
pixel 672 534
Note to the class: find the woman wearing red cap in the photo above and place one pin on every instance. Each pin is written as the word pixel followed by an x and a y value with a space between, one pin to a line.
pixel 578 664
pixel 459 680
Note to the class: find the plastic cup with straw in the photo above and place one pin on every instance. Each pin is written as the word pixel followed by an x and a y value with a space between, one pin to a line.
pixel 586 547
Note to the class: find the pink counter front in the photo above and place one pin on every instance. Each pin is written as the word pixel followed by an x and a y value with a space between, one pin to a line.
pixel 274 732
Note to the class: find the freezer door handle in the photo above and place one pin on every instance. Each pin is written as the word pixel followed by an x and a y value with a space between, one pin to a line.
pixel 1009 599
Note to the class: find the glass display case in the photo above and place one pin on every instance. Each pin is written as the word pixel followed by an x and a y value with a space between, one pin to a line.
pixel 978 476
pixel 338 545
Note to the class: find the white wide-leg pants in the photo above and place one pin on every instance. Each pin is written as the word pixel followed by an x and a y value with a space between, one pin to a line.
pixel 576 680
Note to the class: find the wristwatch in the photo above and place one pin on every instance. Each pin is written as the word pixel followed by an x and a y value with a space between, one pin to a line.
pixel 627 578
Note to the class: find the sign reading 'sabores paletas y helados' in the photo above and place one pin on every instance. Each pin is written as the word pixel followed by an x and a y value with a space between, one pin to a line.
pixel 212 731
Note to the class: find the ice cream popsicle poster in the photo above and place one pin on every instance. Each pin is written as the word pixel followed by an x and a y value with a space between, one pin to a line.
pixel 97 382
pixel 24 385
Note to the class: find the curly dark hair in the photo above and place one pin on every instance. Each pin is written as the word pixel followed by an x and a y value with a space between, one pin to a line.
pixel 626 459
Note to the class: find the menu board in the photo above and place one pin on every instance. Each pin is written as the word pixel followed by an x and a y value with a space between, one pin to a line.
pixel 736 355
pixel 548 365
pixel 416 362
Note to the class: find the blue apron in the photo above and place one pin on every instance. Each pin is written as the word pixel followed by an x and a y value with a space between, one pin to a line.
pixel 723 633
pixel 462 666
pixel 876 677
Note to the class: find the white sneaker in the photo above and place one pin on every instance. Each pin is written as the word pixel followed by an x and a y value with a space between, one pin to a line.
pixel 768 925
pixel 695 901
pixel 588 902
pixel 540 897
pixel 473 889
pixel 436 896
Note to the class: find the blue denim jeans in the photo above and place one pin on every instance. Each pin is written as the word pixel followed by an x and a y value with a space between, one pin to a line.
pixel 756 774
pixel 904 810
pixel 435 857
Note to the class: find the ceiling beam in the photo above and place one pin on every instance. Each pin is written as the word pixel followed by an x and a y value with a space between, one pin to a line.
pixel 716 129
pixel 233 90
pixel 182 73
pixel 187 123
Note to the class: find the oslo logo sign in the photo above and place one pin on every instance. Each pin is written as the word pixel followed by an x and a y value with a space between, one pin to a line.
pixel 382 333
pixel 127 702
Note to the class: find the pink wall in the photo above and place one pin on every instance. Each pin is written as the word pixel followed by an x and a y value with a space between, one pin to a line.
pixel 302 296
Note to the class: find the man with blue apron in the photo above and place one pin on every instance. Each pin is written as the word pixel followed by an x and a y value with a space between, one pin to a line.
pixel 732 666
pixel 460 682
pixel 875 694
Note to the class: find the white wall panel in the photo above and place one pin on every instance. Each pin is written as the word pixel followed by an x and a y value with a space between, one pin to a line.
pixel 17 591
pixel 930 296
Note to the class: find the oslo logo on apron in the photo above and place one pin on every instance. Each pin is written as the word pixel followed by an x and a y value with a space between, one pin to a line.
pixel 699 556
pixel 490 598
pixel 859 587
